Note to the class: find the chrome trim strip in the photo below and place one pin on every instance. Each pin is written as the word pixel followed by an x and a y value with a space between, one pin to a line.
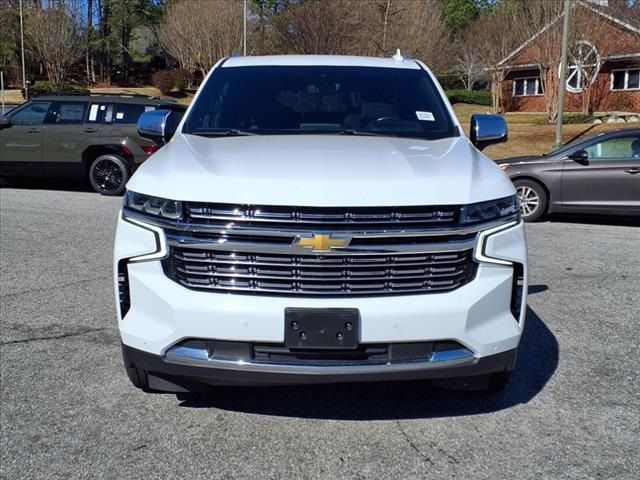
pixel 232 245
pixel 306 369
pixel 231 228
pixel 326 277
pixel 181 351
pixel 323 218
pixel 449 355
pixel 399 263
pixel 364 290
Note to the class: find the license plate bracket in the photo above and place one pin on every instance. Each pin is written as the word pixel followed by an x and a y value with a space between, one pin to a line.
pixel 322 328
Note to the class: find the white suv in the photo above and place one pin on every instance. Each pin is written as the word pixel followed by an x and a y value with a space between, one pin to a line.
pixel 319 219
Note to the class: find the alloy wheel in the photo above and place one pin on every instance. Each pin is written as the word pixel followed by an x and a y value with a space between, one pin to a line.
pixel 529 200
pixel 107 175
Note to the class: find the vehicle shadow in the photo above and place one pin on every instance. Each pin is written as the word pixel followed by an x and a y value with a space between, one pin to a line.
pixel 537 362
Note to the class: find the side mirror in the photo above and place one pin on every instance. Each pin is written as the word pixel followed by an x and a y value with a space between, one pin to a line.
pixel 158 125
pixel 579 156
pixel 487 129
pixel 5 122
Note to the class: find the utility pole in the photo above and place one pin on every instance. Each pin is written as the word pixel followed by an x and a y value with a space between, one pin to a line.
pixel 2 89
pixel 244 10
pixel 24 75
pixel 563 72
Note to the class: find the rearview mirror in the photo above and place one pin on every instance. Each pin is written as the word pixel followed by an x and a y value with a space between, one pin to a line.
pixel 5 122
pixel 158 125
pixel 579 156
pixel 487 129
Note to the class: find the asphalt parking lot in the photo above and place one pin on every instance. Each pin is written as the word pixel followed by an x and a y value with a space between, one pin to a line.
pixel 68 410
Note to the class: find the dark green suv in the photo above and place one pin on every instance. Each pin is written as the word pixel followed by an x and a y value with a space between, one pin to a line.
pixel 92 137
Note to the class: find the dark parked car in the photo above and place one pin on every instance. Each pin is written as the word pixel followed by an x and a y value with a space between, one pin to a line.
pixel 92 137
pixel 599 174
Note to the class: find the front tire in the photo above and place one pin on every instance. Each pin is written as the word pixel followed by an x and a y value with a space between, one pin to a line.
pixel 108 174
pixel 138 378
pixel 532 198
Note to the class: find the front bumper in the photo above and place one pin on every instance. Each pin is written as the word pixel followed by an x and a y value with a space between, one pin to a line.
pixel 162 313
pixel 167 375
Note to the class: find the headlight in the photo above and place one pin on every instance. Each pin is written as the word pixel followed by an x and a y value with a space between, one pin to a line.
pixel 502 208
pixel 160 207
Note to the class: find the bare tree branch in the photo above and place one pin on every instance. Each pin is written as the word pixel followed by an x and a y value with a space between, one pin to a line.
pixel 198 33
pixel 54 37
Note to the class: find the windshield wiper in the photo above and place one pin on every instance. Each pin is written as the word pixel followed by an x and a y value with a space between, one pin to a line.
pixel 230 132
pixel 351 131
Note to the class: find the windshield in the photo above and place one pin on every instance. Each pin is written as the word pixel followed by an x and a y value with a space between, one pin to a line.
pixel 320 100
pixel 563 149
pixel 572 145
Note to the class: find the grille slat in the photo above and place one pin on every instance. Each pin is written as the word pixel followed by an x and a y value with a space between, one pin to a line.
pixel 123 288
pixel 254 249
pixel 320 276
pixel 376 274
pixel 330 218
pixel 209 257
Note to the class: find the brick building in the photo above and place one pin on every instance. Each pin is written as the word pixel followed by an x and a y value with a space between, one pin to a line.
pixel 603 68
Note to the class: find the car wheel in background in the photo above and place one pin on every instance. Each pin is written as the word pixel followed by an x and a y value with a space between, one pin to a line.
pixel 532 198
pixel 109 174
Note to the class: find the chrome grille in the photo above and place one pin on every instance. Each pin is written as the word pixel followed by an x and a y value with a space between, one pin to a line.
pixel 335 274
pixel 325 218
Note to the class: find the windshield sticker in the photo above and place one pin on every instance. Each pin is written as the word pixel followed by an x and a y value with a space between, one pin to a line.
pixel 93 113
pixel 119 115
pixel 427 116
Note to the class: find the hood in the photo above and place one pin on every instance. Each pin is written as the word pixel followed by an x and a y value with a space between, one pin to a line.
pixel 321 170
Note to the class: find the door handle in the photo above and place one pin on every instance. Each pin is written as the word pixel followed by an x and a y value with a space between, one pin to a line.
pixel 90 130
pixel 632 171
pixel 33 130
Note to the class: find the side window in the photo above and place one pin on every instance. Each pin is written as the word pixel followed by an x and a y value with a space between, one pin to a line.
pixel 97 112
pixel 615 148
pixel 108 114
pixel 32 114
pixel 129 113
pixel 68 113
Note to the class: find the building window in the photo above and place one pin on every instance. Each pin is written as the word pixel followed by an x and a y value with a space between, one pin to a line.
pixel 625 79
pixel 574 79
pixel 524 87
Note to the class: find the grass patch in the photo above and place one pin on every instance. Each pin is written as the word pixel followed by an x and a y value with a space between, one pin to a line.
pixel 539 139
pixel 531 134
pixel 465 110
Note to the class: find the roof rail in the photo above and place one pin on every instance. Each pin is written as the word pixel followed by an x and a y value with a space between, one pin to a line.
pixel 124 94
pixel 96 94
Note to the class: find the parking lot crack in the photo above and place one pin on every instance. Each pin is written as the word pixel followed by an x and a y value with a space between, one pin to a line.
pixel 412 444
pixel 54 337
pixel 58 287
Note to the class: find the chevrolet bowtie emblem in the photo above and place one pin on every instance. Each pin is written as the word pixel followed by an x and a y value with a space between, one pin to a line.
pixel 321 242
